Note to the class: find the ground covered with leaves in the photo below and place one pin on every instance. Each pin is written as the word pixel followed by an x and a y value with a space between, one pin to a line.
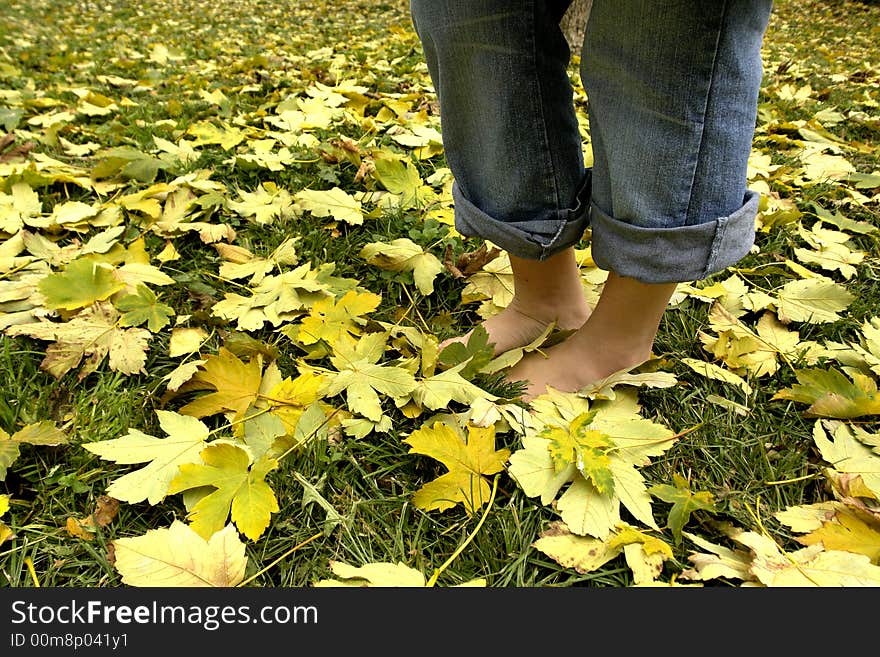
pixel 227 260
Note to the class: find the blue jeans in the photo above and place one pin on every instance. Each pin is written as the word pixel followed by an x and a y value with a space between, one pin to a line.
pixel 672 89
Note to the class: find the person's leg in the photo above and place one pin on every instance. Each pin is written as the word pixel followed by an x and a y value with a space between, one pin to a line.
pixel 500 70
pixel 673 93
pixel 618 335
pixel 545 292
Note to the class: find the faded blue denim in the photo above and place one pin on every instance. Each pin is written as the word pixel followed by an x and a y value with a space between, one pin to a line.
pixel 672 90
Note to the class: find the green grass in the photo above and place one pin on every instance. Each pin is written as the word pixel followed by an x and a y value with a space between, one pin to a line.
pixel 257 53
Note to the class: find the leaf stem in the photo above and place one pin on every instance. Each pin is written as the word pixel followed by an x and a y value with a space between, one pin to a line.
pixel 30 566
pixel 791 481
pixel 431 582
pixel 279 559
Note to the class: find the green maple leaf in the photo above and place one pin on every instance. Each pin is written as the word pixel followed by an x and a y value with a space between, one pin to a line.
pixel 831 394
pixel 144 307
pixel 684 502
pixel 477 349
pixel 581 506
pixel 83 282
pixel 129 163
pixel 403 180
pixel 584 447
pixel 186 438
pixel 240 490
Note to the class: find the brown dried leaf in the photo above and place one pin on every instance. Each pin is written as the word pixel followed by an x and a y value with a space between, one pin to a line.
pixel 471 262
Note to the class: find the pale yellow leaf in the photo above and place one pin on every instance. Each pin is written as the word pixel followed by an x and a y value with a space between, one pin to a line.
pixel 713 371
pixel 815 300
pixel 178 557
pixel 186 341
pixel 379 574
pixel 335 203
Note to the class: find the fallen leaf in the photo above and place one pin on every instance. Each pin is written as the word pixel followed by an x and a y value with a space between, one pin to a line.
pixel 177 556
pixel 468 460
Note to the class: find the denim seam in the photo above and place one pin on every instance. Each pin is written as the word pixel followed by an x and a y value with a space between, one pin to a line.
pixel 706 103
pixel 715 247
pixel 550 177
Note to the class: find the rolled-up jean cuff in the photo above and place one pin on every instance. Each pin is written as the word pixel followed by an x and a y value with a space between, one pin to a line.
pixel 673 255
pixel 532 239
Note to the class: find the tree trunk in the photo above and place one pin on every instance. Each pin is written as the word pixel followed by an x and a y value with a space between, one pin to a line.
pixel 573 23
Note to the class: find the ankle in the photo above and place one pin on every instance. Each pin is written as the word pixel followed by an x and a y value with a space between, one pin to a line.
pixel 617 349
pixel 568 311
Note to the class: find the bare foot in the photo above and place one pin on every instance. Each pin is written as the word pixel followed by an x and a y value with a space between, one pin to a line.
pixel 516 326
pixel 572 365
pixel 618 335
pixel 545 292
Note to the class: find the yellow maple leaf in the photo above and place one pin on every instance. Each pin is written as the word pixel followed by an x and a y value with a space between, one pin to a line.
pixel 816 300
pixel 239 262
pixel 289 399
pixel 331 320
pixel 822 167
pixel 849 450
pixel 811 566
pixel 18 208
pixel 830 250
pixel 849 531
pixel 754 351
pixel 718 562
pixel 240 491
pixel 493 285
pixel 265 204
pixel 713 371
pixel 381 574
pixel 176 556
pixel 275 299
pixel 186 438
pixel 93 334
pixel 403 254
pixel 469 460
pixel 235 385
pixel 831 394
pixel 206 132
pixel 334 202
pixel 6 534
pixel 584 554
pixel 38 433
pixel 362 378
